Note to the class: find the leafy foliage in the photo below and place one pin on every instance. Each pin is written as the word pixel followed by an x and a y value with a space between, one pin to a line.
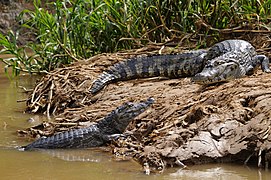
pixel 71 30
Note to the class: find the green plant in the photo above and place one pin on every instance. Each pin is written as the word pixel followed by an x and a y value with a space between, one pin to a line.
pixel 20 60
pixel 72 30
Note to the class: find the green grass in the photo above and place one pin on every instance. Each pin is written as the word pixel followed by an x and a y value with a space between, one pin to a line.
pixel 73 30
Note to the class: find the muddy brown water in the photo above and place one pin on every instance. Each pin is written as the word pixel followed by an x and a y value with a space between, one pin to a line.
pixel 81 164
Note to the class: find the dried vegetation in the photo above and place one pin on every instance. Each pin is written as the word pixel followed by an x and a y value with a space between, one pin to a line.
pixel 188 124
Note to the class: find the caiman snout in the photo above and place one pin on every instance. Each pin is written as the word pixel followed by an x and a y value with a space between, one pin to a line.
pixel 205 77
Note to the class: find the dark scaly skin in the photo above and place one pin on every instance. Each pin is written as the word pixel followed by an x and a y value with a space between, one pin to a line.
pixel 224 61
pixel 95 135
pixel 171 66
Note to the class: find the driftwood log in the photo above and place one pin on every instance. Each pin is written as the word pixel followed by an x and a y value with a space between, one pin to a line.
pixel 188 124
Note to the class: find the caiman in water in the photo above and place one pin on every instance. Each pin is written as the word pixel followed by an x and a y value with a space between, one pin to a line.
pixel 110 127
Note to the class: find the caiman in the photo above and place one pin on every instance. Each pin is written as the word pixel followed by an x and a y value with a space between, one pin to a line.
pixel 109 128
pixel 226 60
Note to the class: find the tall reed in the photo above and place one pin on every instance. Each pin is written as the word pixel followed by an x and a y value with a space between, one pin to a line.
pixel 71 30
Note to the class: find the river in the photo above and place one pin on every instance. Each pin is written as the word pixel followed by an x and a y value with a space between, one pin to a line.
pixel 81 164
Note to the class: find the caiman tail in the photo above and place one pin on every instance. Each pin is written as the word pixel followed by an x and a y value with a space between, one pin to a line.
pixel 172 66
pixel 95 135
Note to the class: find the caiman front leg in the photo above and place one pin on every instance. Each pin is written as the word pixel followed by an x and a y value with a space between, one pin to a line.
pixel 258 60
pixel 264 62
pixel 111 137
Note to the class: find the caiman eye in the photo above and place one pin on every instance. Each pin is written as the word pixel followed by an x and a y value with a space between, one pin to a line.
pixel 217 63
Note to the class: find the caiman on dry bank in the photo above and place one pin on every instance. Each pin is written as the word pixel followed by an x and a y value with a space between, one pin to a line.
pixel 112 126
pixel 225 60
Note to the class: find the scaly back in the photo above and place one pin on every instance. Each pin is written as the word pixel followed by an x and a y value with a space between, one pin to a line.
pixel 172 66
pixel 230 46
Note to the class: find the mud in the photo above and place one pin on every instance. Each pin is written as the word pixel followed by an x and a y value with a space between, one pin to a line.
pixel 188 123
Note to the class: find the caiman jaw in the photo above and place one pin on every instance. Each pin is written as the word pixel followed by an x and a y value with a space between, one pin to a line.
pixel 220 73
pixel 126 113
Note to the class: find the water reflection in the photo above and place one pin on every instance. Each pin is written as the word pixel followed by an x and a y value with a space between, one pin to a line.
pixel 12 116
pixel 214 172
pixel 39 165
pixel 82 155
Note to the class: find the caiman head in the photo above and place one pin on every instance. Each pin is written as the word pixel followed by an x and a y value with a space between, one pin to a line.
pixel 124 114
pixel 220 69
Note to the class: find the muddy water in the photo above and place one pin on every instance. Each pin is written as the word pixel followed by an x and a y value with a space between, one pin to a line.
pixel 81 164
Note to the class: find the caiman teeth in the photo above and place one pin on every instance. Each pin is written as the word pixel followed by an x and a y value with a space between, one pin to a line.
pixel 200 78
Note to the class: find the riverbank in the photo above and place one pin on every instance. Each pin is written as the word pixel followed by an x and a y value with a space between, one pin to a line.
pixel 188 124
pixel 88 163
